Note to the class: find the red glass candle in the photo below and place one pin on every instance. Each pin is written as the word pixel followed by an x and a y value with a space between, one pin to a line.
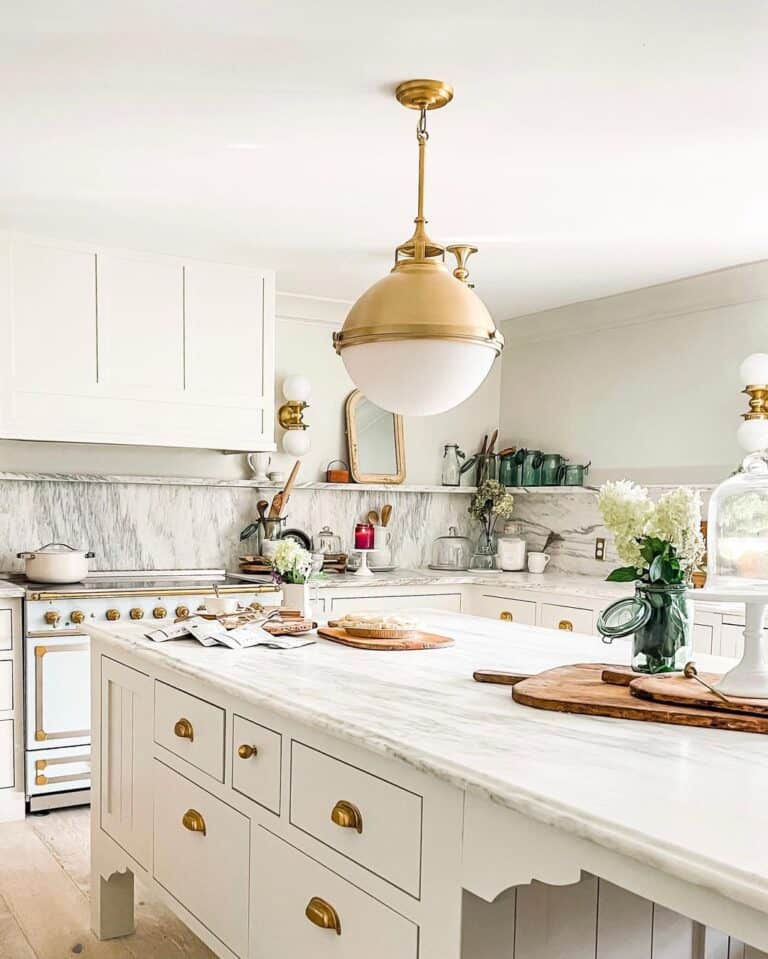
pixel 363 536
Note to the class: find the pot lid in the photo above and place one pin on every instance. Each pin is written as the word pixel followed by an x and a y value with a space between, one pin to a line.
pixel 54 548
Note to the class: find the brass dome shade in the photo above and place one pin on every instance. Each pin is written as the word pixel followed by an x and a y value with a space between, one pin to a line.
pixel 418 303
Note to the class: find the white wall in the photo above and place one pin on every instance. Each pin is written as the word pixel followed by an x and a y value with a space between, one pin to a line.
pixel 303 336
pixel 645 384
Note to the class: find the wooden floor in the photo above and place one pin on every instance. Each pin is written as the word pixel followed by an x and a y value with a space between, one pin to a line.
pixel 44 912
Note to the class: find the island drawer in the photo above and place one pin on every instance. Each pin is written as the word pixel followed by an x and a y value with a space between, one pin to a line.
pixel 6 629
pixel 368 819
pixel 511 610
pixel 190 728
pixel 303 909
pixel 571 619
pixel 202 852
pixel 256 762
pixel 6 685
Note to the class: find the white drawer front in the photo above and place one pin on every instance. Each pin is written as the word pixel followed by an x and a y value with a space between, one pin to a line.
pixel 6 753
pixel 389 843
pixel 702 638
pixel 207 872
pixel 353 604
pixel 54 770
pixel 285 881
pixel 731 641
pixel 256 762
pixel 567 618
pixel 6 629
pixel 191 728
pixel 6 685
pixel 511 610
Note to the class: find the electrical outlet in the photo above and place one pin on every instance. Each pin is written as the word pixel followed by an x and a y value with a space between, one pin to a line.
pixel 600 547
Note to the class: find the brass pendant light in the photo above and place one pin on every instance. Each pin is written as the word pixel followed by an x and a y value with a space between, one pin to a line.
pixel 420 341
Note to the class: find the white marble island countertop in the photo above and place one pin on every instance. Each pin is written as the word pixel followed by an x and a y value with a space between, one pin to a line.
pixel 689 802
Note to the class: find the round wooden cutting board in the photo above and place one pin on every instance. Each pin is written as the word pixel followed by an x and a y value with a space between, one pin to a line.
pixel 676 690
pixel 419 641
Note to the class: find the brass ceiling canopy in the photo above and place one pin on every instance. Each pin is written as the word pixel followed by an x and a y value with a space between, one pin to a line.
pixel 420 299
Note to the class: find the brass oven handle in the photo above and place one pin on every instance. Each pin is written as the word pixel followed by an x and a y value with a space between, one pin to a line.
pixel 507 616
pixel 183 729
pixel 565 624
pixel 245 751
pixel 193 821
pixel 322 914
pixel 347 815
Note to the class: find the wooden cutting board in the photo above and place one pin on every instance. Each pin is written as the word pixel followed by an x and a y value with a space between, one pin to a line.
pixel 677 690
pixel 420 641
pixel 580 689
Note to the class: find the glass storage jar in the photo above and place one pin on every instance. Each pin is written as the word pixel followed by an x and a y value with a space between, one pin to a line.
pixel 451 552
pixel 326 541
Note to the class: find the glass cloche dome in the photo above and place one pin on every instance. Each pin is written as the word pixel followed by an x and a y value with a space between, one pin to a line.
pixel 737 541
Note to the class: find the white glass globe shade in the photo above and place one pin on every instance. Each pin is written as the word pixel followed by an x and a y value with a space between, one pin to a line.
pixel 754 370
pixel 752 435
pixel 297 442
pixel 297 388
pixel 418 377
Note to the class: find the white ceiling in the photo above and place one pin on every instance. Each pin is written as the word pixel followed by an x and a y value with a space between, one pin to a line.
pixel 592 147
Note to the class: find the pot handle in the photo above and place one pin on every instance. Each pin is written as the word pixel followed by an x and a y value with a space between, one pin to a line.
pixel 560 476
pixel 90 555
pixel 25 555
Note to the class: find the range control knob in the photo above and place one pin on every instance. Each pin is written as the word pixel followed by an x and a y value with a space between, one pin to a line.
pixel 136 613
pixel 182 611
pixel 77 616
pixel 113 615
pixel 159 612
pixel 52 617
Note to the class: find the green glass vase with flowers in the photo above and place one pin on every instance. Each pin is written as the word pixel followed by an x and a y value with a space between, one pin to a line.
pixel 490 502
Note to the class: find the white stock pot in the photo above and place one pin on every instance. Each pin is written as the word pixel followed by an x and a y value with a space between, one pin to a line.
pixel 56 563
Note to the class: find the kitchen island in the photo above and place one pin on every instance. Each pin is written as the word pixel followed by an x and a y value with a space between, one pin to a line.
pixel 332 802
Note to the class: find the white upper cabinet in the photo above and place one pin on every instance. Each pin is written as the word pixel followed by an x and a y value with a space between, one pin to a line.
pixel 103 346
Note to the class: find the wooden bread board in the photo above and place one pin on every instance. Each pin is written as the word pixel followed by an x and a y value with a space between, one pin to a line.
pixel 581 689
pixel 419 641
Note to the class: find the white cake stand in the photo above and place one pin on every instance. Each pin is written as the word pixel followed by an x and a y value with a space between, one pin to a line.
pixel 749 677
pixel 363 570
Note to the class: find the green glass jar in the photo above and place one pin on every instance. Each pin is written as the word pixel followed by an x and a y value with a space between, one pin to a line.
pixel 659 618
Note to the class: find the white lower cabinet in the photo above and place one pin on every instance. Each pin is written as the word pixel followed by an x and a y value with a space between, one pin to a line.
pixel 301 910
pixel 256 763
pixel 6 685
pixel 731 640
pixel 7 777
pixel 202 856
pixel 450 602
pixel 570 619
pixel 510 610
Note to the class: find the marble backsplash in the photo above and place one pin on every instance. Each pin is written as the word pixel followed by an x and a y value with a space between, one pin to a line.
pixel 130 523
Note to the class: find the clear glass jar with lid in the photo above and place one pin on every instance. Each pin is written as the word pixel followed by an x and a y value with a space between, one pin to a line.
pixel 451 552
pixel 326 541
pixel 512 548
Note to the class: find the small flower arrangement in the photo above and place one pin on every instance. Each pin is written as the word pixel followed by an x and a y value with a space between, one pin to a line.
pixel 291 563
pixel 489 502
pixel 661 542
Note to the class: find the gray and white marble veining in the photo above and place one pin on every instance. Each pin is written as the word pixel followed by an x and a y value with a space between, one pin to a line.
pixel 628 786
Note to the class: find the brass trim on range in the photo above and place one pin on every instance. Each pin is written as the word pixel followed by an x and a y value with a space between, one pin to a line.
pixel 347 815
pixel 194 822
pixel 178 591
pixel 40 653
pixel 506 616
pixel 565 624
pixel 42 764
pixel 322 914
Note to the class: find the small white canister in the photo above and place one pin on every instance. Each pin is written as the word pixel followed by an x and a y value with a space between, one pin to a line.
pixel 512 548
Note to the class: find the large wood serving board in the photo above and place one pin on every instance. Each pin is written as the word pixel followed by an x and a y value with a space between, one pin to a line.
pixel 580 689
pixel 420 641
pixel 676 689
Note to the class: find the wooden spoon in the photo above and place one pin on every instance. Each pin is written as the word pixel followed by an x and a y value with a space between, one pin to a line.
pixel 494 437
pixel 386 514
pixel 373 517
pixel 262 506
pixel 280 500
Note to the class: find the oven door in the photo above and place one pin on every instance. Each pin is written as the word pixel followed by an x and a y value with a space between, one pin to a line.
pixel 58 691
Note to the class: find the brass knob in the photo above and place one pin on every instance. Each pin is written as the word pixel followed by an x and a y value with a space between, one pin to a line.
pixel 565 624
pixel 193 821
pixel 322 914
pixel 52 617
pixel 159 612
pixel 507 616
pixel 183 729
pixel 113 615
pixel 182 611
pixel 347 815
pixel 77 616
pixel 136 613
pixel 246 751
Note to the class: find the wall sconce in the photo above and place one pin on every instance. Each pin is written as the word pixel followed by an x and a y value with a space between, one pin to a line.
pixel 296 390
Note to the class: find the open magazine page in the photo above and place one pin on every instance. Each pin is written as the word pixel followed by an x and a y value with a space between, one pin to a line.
pixel 209 632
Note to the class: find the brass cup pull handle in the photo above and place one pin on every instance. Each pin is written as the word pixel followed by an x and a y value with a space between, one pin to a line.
pixel 183 729
pixel 347 815
pixel 193 821
pixel 507 616
pixel 322 914
pixel 565 624
pixel 246 752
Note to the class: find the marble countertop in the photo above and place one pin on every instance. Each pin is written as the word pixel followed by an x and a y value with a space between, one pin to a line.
pixel 684 801
pixel 10 590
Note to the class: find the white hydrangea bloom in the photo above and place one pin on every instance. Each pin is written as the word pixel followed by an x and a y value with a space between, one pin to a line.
pixel 292 561
pixel 626 509
pixel 677 520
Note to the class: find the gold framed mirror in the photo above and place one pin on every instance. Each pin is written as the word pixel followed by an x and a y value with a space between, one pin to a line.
pixel 376 442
